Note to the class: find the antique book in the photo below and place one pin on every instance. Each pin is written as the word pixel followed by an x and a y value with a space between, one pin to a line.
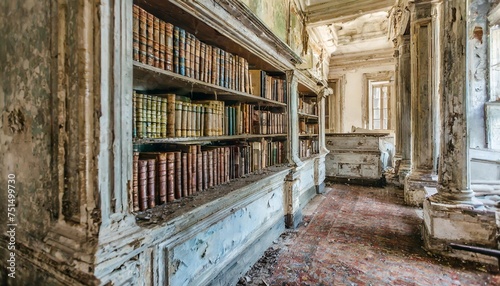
pixel 159 176
pixel 210 166
pixel 149 30
pixel 170 177
pixel 197 60
pixel 194 167
pixel 156 41
pixel 215 65
pixel 171 115
pixel 143 36
pixel 201 71
pixel 143 184
pixel 162 45
pixel 222 68
pixel 135 181
pixel 140 115
pixel 135 33
pixel 199 169
pixel 151 190
pixel 208 64
pixel 170 41
pixel 184 122
pixel 163 117
pixel 192 55
pixel 178 119
pixel 205 170
pixel 175 51
pixel 185 178
pixel 182 51
pixel 188 54
pixel 178 174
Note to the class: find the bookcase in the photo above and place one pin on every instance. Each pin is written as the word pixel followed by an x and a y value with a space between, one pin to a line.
pixel 308 111
pixel 204 113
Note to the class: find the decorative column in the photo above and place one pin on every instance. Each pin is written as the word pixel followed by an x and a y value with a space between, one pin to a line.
pixel 319 168
pixel 424 105
pixel 453 214
pixel 404 104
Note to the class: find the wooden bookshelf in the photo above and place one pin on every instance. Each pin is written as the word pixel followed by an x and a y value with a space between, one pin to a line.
pixel 204 140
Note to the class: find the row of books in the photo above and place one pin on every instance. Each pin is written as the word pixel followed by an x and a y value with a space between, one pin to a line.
pixel 308 128
pixel 308 147
pixel 268 86
pixel 162 177
pixel 165 46
pixel 170 115
pixel 307 107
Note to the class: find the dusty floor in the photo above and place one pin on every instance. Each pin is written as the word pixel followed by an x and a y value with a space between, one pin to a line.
pixel 355 235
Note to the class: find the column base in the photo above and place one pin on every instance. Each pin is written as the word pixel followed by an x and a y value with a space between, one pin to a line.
pixel 415 183
pixel 461 224
pixel 403 171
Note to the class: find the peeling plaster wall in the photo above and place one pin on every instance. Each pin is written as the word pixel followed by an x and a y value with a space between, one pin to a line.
pixel 26 143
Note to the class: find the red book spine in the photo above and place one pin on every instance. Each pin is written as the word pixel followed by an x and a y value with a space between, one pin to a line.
pixel 143 184
pixel 194 168
pixel 199 175
pixel 135 181
pixel 135 31
pixel 170 176
pixel 150 41
pixel 210 177
pixel 178 175
pixel 143 36
pixel 227 166
pixel 161 178
pixel 156 42
pixel 151 183
pixel 185 189
pixel 189 172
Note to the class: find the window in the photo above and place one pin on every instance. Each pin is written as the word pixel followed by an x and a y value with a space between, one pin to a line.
pixel 380 93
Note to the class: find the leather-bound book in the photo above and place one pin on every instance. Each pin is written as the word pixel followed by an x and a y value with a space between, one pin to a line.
pixel 187 55
pixel 222 68
pixel 149 29
pixel 140 115
pixel 182 51
pixel 215 65
pixel 170 47
pixel 201 68
pixel 178 175
pixel 178 119
pixel 151 183
pixel 171 115
pixel 143 36
pixel 160 175
pixel 199 169
pixel 197 59
pixel 194 167
pixel 170 176
pixel 210 166
pixel 208 63
pixel 143 184
pixel 162 45
pixel 205 170
pixel 184 122
pixel 135 33
pixel 176 47
pixel 184 168
pixel 156 41
pixel 163 117
pixel 135 181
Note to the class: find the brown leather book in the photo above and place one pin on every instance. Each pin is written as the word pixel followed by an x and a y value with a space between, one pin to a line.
pixel 156 41
pixel 135 33
pixel 208 63
pixel 178 119
pixel 150 39
pixel 160 175
pixel 227 166
pixel 184 122
pixel 215 65
pixel 169 46
pixel 185 178
pixel 143 184
pixel 178 175
pixel 135 181
pixel 210 168
pixel 194 167
pixel 170 176
pixel 188 55
pixel 143 36
pixel 199 169
pixel 171 113
pixel 205 170
pixel 162 45
pixel 151 183
pixel 202 60
pixel 197 60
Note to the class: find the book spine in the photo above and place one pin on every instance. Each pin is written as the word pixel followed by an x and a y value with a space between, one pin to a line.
pixel 208 65
pixel 161 165
pixel 143 184
pixel 163 117
pixel 222 68
pixel 135 35
pixel 151 193
pixel 150 40
pixel 215 65
pixel 187 55
pixel 175 51
pixel 143 36
pixel 205 170
pixel 162 45
pixel 202 59
pixel 210 163
pixel 184 123
pixel 170 176
pixel 192 55
pixel 197 60
pixel 178 119
pixel 199 168
pixel 194 167
pixel 184 163
pixel 171 115
pixel 182 51
pixel 170 49
pixel 135 182
pixel 156 41
pixel 178 175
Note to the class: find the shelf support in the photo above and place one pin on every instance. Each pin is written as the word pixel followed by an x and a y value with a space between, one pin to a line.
pixel 293 118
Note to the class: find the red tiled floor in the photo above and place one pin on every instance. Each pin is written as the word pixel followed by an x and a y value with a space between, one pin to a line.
pixel 366 236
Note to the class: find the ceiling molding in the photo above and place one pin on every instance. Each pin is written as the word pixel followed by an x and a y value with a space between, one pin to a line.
pixel 339 11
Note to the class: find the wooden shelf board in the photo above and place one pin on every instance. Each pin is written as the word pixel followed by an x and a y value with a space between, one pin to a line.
pixel 206 139
pixel 147 77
